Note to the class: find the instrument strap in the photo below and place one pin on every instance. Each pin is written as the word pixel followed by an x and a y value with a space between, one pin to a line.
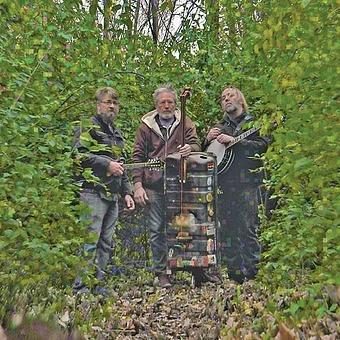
pixel 238 128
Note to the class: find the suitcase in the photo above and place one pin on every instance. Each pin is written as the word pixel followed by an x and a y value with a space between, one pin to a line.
pixel 190 217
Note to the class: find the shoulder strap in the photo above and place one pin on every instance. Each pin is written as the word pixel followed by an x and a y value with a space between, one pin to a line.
pixel 246 119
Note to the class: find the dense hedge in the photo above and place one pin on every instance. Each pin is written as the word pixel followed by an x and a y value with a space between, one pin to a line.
pixel 53 57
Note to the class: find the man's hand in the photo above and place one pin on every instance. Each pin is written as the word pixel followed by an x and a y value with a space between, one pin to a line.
pixel 140 195
pixel 129 202
pixel 224 139
pixel 213 133
pixel 115 168
pixel 184 150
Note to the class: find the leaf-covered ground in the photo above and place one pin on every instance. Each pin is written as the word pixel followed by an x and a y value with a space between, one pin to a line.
pixel 138 310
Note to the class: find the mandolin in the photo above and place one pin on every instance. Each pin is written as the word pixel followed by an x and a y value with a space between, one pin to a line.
pixel 152 164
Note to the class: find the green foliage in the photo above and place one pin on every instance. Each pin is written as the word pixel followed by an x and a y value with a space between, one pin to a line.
pixel 304 154
pixel 53 57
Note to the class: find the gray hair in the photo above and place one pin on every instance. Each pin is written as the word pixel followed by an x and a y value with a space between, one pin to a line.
pixel 168 88
pixel 100 93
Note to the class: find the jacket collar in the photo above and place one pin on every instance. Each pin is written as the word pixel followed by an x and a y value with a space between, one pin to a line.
pixel 243 116
pixel 106 127
pixel 150 120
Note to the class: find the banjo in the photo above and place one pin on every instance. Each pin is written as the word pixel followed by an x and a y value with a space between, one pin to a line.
pixel 224 155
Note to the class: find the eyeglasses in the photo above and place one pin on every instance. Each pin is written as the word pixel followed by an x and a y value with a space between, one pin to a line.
pixel 110 102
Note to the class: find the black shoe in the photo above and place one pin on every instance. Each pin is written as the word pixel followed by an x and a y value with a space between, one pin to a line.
pixel 239 278
pixel 162 281
pixel 211 277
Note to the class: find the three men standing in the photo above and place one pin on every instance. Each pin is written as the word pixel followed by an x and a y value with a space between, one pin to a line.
pixel 100 145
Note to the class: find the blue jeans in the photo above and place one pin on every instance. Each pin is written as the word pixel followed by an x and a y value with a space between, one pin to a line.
pixel 103 215
pixel 155 220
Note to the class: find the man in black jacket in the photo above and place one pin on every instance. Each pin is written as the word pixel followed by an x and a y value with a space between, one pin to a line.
pixel 100 144
pixel 238 211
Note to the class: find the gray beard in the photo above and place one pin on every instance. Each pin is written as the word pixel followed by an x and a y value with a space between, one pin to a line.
pixel 230 110
pixel 231 113
pixel 106 119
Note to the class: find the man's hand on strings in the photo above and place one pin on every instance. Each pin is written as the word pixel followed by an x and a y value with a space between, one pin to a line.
pixel 115 168
pixel 184 150
pixel 224 138
pixel 213 133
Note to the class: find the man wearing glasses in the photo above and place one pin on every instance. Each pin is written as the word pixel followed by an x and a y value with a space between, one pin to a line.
pixel 102 178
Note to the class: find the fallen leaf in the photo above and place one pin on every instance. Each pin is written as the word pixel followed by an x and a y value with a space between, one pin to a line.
pixel 285 333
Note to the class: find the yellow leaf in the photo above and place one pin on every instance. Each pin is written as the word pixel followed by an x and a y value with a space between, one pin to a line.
pixel 41 53
pixel 268 34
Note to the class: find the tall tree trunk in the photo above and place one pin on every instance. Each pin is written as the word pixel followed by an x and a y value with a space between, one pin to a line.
pixel 135 25
pixel 168 27
pixel 153 19
pixel 212 8
pixel 107 17
pixel 93 9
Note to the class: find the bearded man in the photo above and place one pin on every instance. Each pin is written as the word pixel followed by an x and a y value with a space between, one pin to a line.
pixel 238 203
pixel 100 144
pixel 158 136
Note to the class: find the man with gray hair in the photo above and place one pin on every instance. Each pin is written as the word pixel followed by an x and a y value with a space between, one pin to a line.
pixel 158 136
pixel 100 144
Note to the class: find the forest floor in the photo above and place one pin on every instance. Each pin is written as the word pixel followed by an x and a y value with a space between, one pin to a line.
pixel 228 310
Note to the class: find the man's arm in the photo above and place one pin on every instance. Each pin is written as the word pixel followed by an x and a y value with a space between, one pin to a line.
pixel 213 133
pixel 88 160
pixel 139 155
pixel 255 144
pixel 191 137
pixel 126 188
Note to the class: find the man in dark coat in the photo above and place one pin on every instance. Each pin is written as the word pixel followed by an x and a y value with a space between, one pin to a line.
pixel 100 144
pixel 238 204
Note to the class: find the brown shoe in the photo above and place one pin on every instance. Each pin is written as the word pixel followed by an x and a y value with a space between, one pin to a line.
pixel 163 281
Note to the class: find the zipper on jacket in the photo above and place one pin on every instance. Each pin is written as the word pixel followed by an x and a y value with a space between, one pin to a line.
pixel 166 141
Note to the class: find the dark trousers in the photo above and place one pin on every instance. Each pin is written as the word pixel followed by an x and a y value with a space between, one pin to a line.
pixel 239 245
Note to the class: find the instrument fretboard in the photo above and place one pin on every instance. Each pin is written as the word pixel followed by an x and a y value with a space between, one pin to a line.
pixel 152 164
pixel 242 136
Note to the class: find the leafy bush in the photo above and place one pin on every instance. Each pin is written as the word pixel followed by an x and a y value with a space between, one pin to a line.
pixel 53 57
